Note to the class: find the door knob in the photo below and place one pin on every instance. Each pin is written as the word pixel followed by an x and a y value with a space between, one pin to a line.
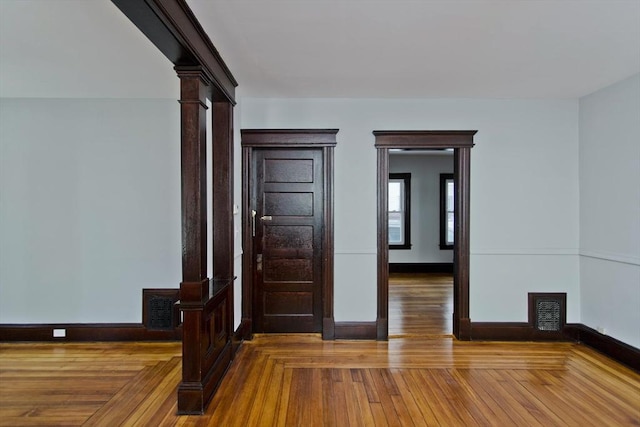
pixel 266 218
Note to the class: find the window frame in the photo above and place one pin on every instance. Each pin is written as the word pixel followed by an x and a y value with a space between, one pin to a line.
pixel 406 178
pixel 444 177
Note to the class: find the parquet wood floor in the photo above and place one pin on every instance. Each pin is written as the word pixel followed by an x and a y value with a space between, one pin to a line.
pixel 300 380
pixel 420 304
pixel 423 378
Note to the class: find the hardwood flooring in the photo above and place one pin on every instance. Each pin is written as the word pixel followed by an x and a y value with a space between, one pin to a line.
pixel 300 380
pixel 420 304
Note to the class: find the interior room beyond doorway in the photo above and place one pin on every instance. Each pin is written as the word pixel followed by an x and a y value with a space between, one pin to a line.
pixel 420 242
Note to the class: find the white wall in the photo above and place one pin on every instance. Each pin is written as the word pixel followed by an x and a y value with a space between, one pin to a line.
pixel 89 207
pixel 610 210
pixel 237 218
pixel 425 206
pixel 524 193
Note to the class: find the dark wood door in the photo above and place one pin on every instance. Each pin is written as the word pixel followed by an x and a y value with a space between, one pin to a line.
pixel 287 199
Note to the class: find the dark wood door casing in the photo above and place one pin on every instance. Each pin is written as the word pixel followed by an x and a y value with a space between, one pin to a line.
pixel 461 142
pixel 321 142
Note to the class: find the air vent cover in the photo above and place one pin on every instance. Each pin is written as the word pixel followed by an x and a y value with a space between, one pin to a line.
pixel 159 310
pixel 547 312
pixel 160 313
pixel 547 315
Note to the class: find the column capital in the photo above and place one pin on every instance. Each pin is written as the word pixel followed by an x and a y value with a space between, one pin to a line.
pixel 193 71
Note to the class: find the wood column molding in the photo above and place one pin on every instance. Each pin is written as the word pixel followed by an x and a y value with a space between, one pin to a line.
pixel 223 218
pixel 207 305
pixel 194 289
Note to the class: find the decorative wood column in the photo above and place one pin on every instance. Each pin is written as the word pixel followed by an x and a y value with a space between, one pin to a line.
pixel 194 289
pixel 223 218
pixel 207 305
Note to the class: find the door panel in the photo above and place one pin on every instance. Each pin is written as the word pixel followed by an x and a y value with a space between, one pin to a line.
pixel 287 196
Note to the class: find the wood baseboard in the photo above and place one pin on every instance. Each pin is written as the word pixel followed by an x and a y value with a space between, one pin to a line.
pixel 355 330
pixel 421 267
pixel 609 346
pixel 87 332
pixel 513 331
pixel 328 328
pixel 501 331
pixel 242 333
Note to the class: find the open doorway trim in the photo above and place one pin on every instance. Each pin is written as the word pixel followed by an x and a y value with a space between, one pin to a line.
pixel 461 143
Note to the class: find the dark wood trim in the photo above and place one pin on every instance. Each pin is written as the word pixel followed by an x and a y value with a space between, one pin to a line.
pixel 222 218
pixel 206 304
pixel 522 331
pixel 324 139
pixel 303 138
pixel 87 332
pixel 247 242
pixel 356 330
pixel 461 142
pixel 424 139
pixel 501 331
pixel 617 350
pixel 444 177
pixel 406 178
pixel 328 328
pixel 511 331
pixel 222 190
pixel 173 28
pixel 242 333
pixel 420 267
pixel 193 111
pixel 461 246
pixel 328 323
pixel 382 318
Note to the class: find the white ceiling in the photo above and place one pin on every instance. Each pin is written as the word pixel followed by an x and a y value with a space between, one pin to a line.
pixel 332 48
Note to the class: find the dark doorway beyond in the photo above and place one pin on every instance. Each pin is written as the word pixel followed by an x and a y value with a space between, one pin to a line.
pixel 420 304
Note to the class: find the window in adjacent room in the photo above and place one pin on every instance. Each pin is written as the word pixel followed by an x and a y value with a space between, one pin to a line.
pixel 446 211
pixel 399 211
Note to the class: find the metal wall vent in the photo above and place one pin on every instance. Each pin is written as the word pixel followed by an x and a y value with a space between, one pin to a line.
pixel 547 312
pixel 159 309
pixel 160 313
pixel 547 315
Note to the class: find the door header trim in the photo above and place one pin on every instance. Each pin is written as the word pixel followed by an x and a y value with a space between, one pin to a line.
pixel 424 139
pixel 288 137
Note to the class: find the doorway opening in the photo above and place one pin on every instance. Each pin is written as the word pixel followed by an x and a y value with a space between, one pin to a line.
pixel 421 231
pixel 461 142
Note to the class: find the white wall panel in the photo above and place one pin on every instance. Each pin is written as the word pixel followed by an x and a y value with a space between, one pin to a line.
pixel 610 210
pixel 90 208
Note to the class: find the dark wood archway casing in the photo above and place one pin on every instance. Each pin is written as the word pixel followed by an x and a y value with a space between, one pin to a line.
pixel 206 302
pixel 461 142
pixel 325 140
